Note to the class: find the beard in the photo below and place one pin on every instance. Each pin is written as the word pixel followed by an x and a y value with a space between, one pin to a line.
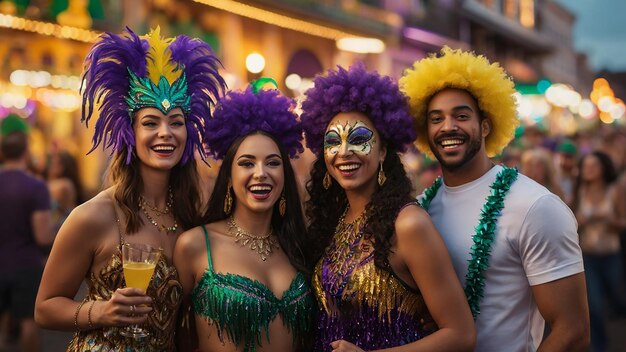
pixel 474 146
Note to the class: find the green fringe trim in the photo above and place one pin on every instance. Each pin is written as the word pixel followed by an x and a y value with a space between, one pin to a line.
pixel 242 308
pixel 484 233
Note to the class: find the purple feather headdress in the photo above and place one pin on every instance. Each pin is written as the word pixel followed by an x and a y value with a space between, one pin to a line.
pixel 241 113
pixel 356 90
pixel 125 73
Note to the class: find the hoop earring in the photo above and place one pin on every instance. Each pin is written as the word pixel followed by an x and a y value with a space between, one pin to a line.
pixel 327 182
pixel 228 201
pixel 282 205
pixel 381 176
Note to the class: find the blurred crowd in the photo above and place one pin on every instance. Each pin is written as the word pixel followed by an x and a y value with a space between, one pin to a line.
pixel 34 202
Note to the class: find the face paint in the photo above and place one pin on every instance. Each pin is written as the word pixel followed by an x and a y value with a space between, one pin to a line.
pixel 358 138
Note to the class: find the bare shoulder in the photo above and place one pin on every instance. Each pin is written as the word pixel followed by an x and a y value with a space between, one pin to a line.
pixel 416 235
pixel 95 216
pixel 87 225
pixel 411 220
pixel 190 242
pixel 96 212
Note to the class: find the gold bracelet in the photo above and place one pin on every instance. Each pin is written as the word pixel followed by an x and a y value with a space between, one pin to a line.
pixel 76 314
pixel 89 314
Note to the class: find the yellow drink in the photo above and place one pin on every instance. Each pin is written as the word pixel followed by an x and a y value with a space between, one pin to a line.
pixel 138 274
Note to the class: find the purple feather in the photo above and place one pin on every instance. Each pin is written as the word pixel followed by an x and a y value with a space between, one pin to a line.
pixel 204 83
pixel 107 66
pixel 241 113
pixel 107 81
pixel 355 89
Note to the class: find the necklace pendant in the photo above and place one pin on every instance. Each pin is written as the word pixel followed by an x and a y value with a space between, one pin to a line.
pixel 263 245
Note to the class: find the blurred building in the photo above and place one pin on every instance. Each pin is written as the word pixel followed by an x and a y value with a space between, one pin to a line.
pixel 561 64
pixel 45 41
pixel 281 38
pixel 428 26
pixel 43 46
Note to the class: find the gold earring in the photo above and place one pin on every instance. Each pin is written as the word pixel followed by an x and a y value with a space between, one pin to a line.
pixel 327 182
pixel 282 205
pixel 381 176
pixel 228 201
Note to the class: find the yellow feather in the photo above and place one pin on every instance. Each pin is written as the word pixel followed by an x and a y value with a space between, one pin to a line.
pixel 159 58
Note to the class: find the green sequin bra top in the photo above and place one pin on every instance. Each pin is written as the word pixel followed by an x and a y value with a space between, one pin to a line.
pixel 243 309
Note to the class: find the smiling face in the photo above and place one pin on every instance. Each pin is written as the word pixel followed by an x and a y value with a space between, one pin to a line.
pixel 456 133
pixel 159 139
pixel 353 152
pixel 257 173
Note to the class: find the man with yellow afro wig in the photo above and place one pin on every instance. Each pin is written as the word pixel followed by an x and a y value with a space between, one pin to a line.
pixel 513 244
pixel 487 83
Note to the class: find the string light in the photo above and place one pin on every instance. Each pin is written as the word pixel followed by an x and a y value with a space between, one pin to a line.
pixel 276 19
pixel 48 29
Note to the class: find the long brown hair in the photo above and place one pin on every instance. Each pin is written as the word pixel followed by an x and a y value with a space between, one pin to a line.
pixel 129 185
pixel 290 228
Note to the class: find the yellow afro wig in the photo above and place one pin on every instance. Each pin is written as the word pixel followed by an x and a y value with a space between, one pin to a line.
pixel 487 82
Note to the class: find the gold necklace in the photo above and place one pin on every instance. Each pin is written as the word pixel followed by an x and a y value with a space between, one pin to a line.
pixel 168 208
pixel 168 204
pixel 347 233
pixel 345 252
pixel 263 245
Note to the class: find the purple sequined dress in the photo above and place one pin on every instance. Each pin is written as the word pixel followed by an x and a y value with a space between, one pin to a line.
pixel 361 303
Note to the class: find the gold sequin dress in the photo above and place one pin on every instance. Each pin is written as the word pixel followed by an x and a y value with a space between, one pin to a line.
pixel 166 293
pixel 362 303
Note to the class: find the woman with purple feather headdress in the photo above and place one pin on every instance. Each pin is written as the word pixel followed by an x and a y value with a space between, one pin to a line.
pixel 154 97
pixel 245 269
pixel 383 279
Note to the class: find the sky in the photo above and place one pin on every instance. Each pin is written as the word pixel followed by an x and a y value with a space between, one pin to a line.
pixel 600 31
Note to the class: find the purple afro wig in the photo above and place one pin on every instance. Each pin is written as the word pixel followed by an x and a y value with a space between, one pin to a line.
pixel 107 81
pixel 239 114
pixel 355 89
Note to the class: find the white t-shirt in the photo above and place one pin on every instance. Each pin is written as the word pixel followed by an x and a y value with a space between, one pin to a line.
pixel 535 242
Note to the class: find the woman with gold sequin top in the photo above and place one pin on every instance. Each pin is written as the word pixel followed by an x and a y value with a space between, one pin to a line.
pixel 383 279
pixel 154 95
pixel 245 270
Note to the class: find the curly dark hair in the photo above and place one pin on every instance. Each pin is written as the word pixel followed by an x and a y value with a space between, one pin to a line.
pixel 290 228
pixel 325 206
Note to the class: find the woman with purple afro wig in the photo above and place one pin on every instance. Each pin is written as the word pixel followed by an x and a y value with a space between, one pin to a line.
pixel 154 97
pixel 383 276
pixel 245 269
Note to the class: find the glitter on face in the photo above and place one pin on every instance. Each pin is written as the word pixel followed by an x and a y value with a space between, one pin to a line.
pixel 357 138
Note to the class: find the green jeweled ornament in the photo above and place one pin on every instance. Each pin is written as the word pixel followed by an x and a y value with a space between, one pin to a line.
pixel 258 84
pixel 484 233
pixel 165 97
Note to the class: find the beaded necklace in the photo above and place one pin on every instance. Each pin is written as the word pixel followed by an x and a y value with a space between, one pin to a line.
pixel 484 233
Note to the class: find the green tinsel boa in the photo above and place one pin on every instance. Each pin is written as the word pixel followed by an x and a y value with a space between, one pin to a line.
pixel 484 233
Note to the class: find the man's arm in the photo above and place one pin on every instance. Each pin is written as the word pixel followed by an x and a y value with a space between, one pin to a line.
pixel 563 304
pixel 554 267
